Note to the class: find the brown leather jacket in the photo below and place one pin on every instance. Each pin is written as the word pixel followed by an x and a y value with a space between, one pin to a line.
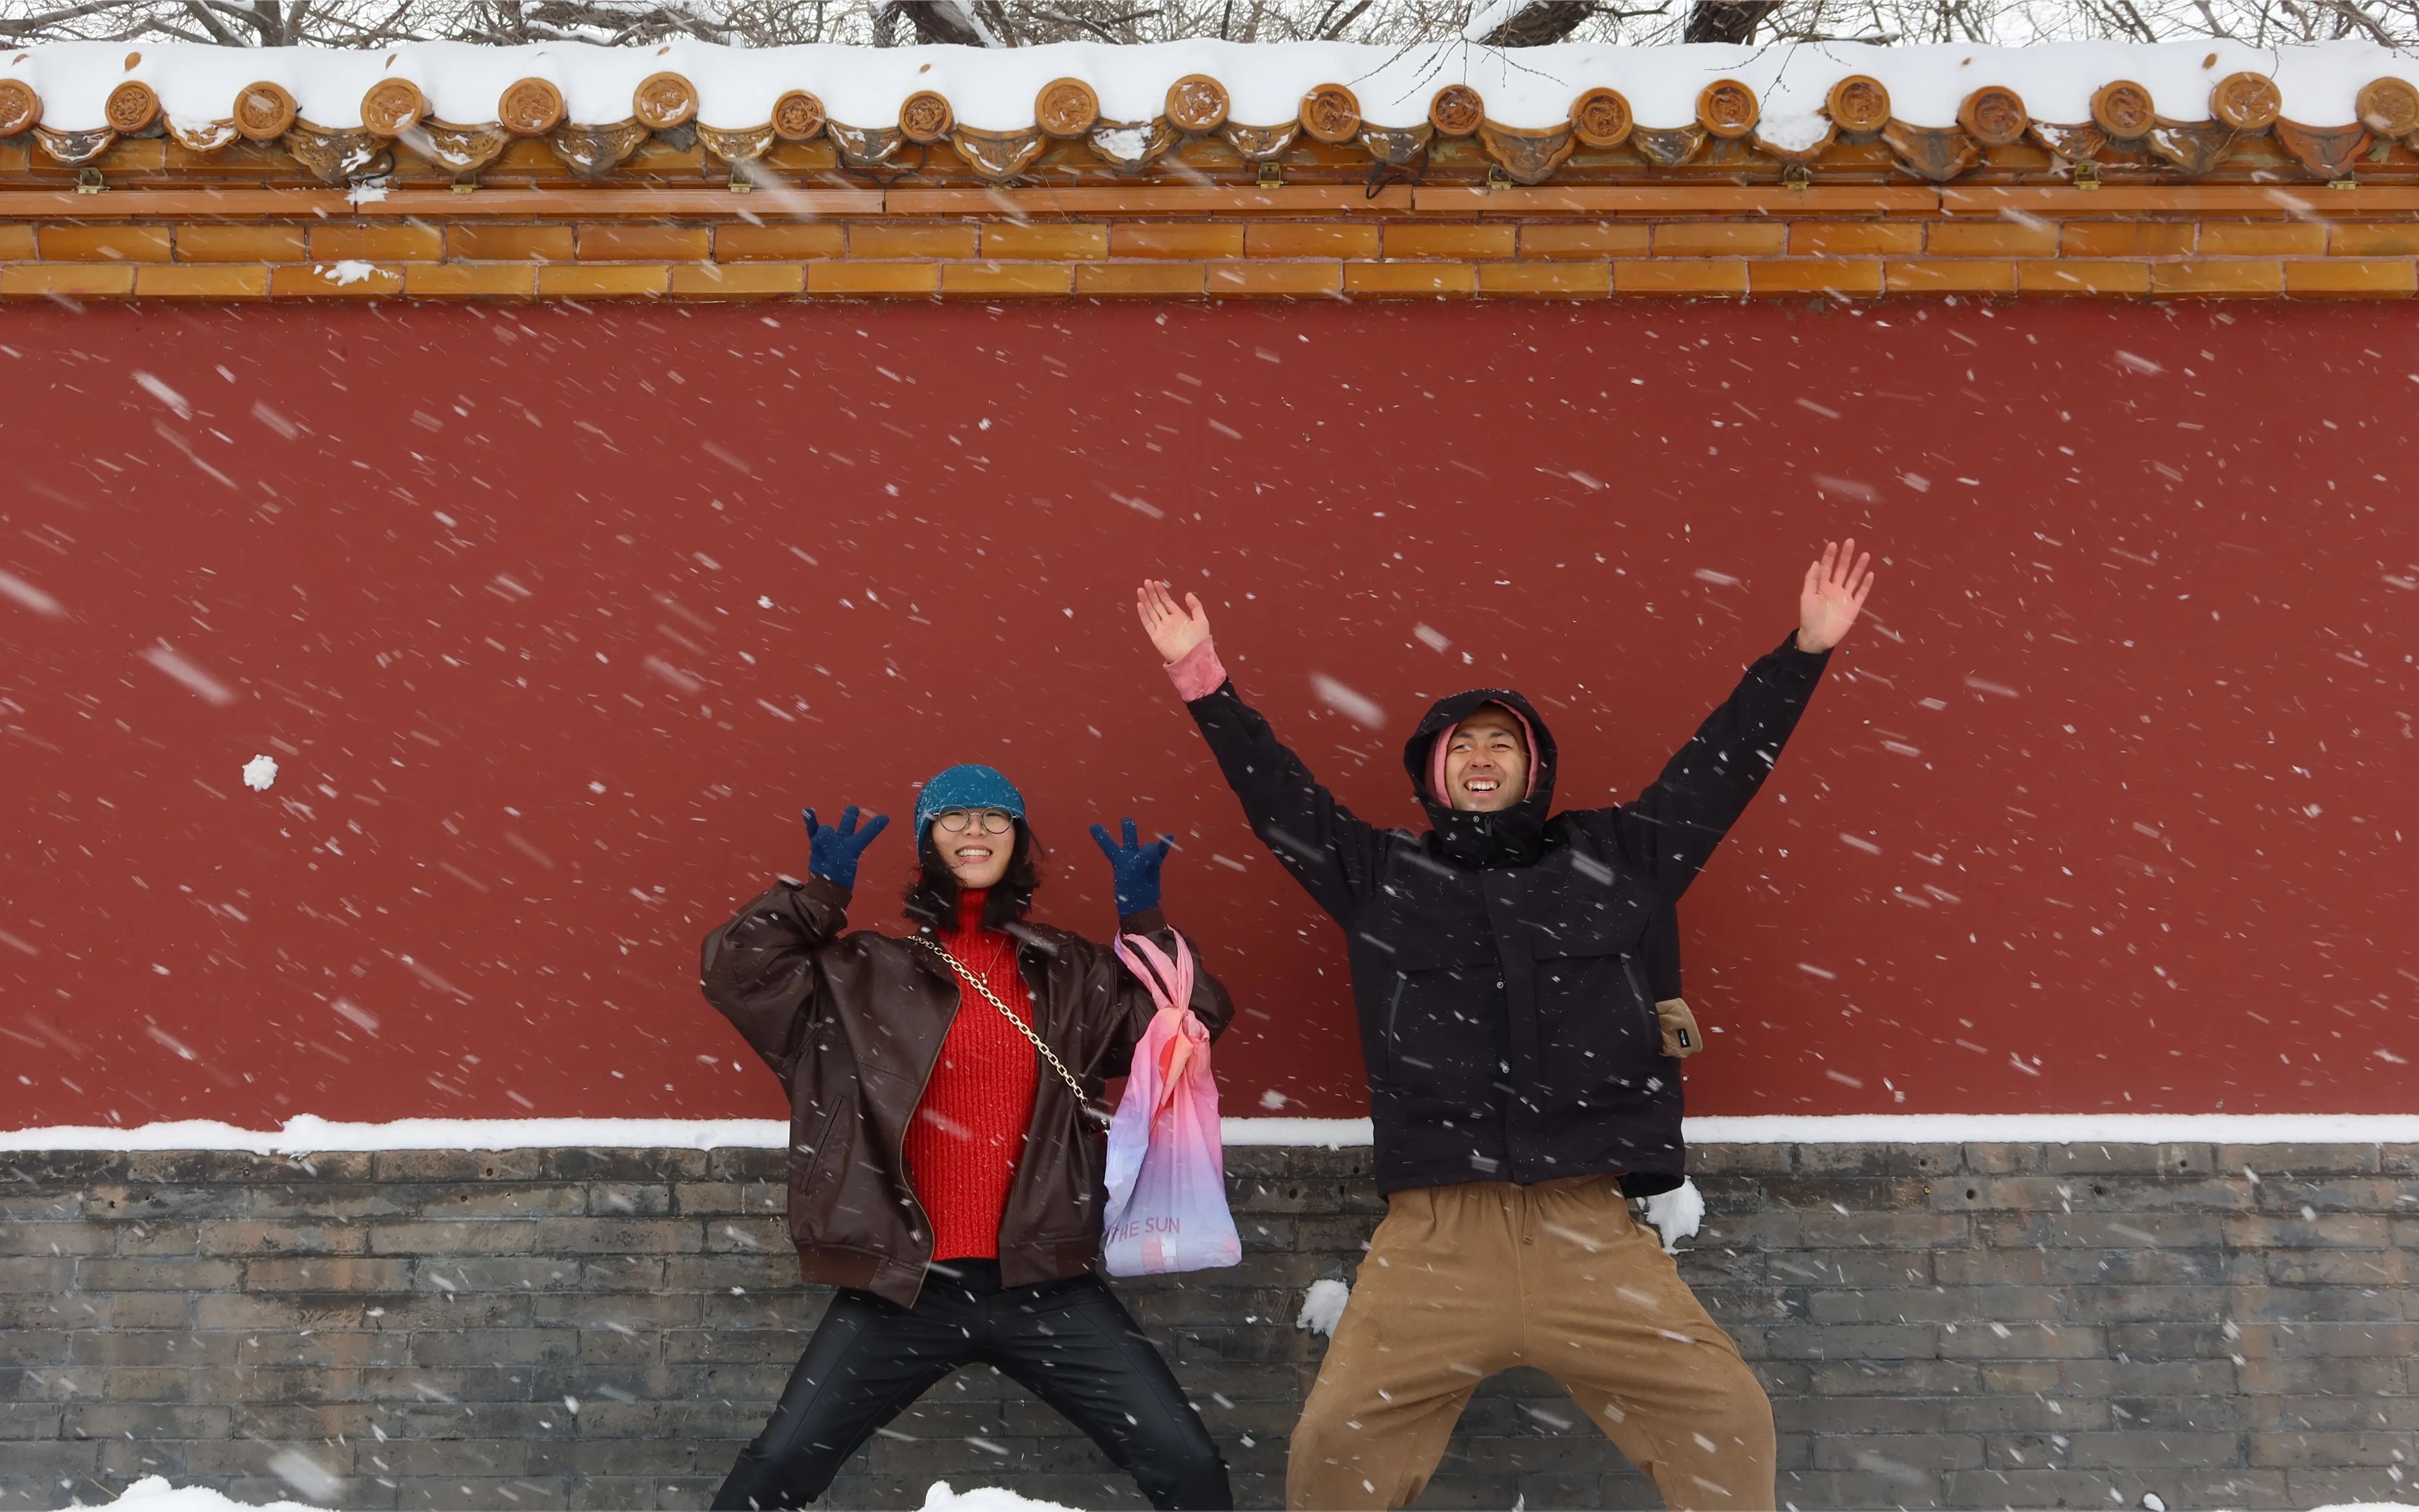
pixel 853 1023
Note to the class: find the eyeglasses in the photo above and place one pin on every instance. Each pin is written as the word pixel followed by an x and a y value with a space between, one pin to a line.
pixel 993 821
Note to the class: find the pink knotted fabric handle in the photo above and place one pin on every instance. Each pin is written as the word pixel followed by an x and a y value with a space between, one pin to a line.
pixel 1170 984
pixel 1164 1167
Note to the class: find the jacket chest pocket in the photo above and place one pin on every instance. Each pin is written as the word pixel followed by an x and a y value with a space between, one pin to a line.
pixel 1443 1025
pixel 1598 1038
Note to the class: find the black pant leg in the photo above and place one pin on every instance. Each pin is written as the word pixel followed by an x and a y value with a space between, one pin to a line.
pixel 868 1359
pixel 1074 1345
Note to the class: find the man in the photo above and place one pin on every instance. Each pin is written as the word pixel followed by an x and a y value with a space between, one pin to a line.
pixel 1524 1082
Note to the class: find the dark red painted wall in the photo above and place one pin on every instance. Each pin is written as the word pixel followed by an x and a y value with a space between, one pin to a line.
pixel 553 618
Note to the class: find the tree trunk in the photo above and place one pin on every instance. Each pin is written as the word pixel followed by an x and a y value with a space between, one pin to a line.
pixel 1538 23
pixel 1726 21
pixel 938 20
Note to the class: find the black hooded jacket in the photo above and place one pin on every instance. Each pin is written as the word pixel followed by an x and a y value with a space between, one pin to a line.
pixel 1505 965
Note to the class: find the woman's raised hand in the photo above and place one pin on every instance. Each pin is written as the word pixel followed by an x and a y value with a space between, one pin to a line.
pixel 1834 594
pixel 1135 868
pixel 1174 629
pixel 832 852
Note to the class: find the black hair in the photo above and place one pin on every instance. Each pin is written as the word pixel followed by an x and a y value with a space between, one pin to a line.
pixel 932 893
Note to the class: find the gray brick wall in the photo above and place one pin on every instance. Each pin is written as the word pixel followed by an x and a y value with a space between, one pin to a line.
pixel 1985 1325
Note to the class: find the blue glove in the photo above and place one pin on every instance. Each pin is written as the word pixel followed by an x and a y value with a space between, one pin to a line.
pixel 1136 866
pixel 831 854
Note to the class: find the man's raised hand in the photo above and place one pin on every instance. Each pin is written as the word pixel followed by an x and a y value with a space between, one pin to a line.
pixel 1834 594
pixel 1174 629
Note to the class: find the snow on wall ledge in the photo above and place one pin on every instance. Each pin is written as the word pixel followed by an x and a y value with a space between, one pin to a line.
pixel 309 1134
pixel 74 87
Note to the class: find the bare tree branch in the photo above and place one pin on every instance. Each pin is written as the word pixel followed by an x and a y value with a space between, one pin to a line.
pixel 1394 24
pixel 220 32
pixel 1726 21
pixel 57 18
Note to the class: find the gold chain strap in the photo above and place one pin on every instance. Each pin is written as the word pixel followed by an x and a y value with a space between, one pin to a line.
pixel 1049 1056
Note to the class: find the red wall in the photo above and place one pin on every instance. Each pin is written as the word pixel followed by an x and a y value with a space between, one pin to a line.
pixel 2106 810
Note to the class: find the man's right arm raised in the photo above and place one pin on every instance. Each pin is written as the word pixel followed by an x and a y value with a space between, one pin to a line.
pixel 1333 854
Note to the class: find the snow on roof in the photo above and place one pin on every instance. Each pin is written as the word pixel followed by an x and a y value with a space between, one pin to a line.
pixel 1785 97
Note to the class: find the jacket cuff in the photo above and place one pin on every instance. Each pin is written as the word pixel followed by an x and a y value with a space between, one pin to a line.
pixel 822 890
pixel 1804 658
pixel 1197 672
pixel 1149 921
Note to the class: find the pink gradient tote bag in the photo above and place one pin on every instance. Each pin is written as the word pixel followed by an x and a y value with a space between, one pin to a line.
pixel 1167 1167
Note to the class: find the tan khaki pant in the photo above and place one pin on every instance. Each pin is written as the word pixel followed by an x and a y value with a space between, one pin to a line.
pixel 1463 1281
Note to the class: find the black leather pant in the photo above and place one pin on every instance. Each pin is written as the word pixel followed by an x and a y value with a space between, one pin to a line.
pixel 1072 1343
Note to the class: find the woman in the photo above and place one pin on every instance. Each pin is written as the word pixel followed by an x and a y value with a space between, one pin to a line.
pixel 943 1171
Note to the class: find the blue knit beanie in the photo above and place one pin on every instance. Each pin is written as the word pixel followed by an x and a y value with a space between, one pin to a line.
pixel 967 787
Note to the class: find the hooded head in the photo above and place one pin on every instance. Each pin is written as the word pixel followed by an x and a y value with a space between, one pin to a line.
pixel 1512 835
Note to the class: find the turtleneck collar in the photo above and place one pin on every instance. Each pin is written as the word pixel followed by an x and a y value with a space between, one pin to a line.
pixel 970 909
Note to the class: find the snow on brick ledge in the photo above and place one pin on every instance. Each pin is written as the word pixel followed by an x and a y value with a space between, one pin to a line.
pixel 310 1134
pixel 1937 108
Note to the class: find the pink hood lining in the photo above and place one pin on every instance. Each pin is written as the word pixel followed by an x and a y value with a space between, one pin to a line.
pixel 1444 742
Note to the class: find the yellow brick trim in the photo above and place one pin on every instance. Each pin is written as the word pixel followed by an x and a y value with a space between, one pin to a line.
pixel 1297 242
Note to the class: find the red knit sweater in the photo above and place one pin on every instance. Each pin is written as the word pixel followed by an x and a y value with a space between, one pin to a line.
pixel 968 1132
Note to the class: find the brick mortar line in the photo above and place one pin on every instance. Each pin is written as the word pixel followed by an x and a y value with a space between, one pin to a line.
pixel 1178 281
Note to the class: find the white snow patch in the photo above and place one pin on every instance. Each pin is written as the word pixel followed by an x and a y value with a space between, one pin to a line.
pixel 993 88
pixel 1325 1134
pixel 1487 17
pixel 1793 130
pixel 1676 1215
pixel 350 271
pixel 153 1493
pixel 1323 1306
pixel 983 1498
pixel 308 1134
pixel 1127 143
pixel 2057 1128
pixel 260 773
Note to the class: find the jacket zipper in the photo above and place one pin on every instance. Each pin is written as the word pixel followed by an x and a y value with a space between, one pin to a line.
pixel 1645 1005
pixel 1402 979
pixel 899 1155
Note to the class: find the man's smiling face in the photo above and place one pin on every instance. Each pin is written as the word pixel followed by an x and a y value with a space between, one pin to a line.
pixel 1486 763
